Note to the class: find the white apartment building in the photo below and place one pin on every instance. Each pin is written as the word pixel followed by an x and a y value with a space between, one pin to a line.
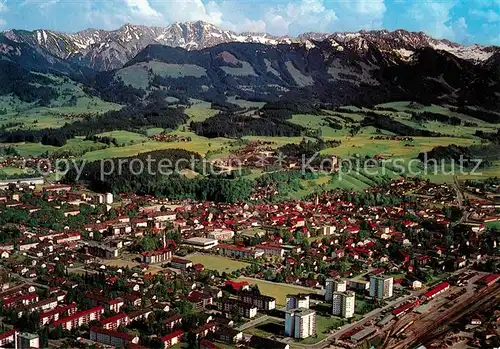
pixel 343 304
pixel 300 323
pixel 334 285
pixel 294 301
pixel 381 286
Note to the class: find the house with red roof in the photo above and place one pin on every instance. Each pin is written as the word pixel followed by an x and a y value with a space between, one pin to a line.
pixel 80 318
pixel 115 321
pixel 8 337
pixel 237 286
pixel 172 339
pixel 112 337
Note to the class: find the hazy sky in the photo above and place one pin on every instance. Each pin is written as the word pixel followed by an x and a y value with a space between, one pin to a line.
pixel 465 21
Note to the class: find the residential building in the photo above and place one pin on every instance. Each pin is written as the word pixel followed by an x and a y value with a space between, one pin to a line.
pixel 179 263
pixel 115 321
pixel 246 310
pixel 381 286
pixel 360 285
pixel 41 306
pixel 271 250
pixel 111 337
pixel 113 305
pixel 80 318
pixel 300 323
pixel 334 285
pixel 260 301
pixel 8 337
pixel 56 313
pixel 229 335
pixel 172 339
pixel 172 321
pixel 294 301
pixel 343 304
pixel 28 340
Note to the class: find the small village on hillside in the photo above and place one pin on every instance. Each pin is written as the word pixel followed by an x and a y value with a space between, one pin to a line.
pixel 338 270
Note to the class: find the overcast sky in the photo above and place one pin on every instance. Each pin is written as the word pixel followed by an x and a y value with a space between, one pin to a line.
pixel 464 21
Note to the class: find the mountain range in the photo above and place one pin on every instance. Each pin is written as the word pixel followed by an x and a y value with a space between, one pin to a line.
pixel 199 60
pixel 107 50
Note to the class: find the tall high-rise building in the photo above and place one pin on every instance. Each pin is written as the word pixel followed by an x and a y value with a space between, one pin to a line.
pixel 334 285
pixel 343 304
pixel 381 286
pixel 300 323
pixel 294 301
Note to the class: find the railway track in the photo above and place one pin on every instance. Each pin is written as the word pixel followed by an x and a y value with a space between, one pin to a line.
pixel 437 327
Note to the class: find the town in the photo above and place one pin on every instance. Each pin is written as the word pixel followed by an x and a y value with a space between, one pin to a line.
pixel 402 265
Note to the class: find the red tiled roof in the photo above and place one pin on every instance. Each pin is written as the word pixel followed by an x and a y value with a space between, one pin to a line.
pixel 440 287
pixel 114 318
pixel 236 285
pixel 78 314
pixel 172 335
pixel 57 310
pixel 112 333
pixel 489 278
pixel 7 334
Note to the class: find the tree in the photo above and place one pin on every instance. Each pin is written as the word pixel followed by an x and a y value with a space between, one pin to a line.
pixel 149 243
pixel 185 308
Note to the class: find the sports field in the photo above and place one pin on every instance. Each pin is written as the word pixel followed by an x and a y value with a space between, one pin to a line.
pixel 221 264
pixel 278 290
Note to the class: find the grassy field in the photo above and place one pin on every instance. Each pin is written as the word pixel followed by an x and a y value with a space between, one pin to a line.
pixel 200 112
pixel 221 264
pixel 493 225
pixel 12 171
pixel 362 145
pixel 72 100
pixel 273 327
pixel 323 326
pixel 278 290
pixel 125 137
pixel 198 144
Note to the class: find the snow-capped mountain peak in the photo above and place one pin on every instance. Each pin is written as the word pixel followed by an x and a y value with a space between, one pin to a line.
pixel 105 50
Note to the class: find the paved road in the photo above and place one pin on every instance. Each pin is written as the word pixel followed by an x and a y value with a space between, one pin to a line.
pixel 253 322
pixel 30 281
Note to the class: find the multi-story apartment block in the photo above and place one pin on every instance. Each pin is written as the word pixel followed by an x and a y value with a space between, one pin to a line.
pixel 300 323
pixel 294 301
pixel 260 301
pixel 111 337
pixel 334 285
pixel 343 304
pixel 115 321
pixel 57 313
pixel 244 309
pixel 381 286
pixel 80 318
